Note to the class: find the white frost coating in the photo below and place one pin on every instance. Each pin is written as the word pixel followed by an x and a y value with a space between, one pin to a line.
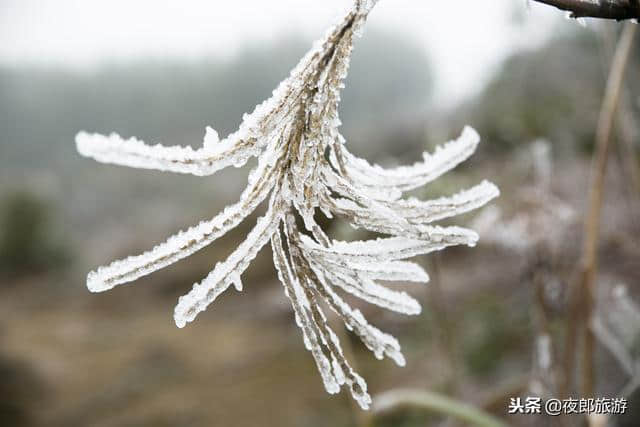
pixel 292 292
pixel 132 152
pixel 424 212
pixel 390 271
pixel 416 213
pixel 236 279
pixel 291 134
pixel 406 178
pixel 222 276
pixel 392 248
pixel 211 138
pixel 376 341
pixel 342 371
pixel 368 290
pixel 367 5
pixel 185 243
pixel 236 149
pixel 357 384
pixel 343 187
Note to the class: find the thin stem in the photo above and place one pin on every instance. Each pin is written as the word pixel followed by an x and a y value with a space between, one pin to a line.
pixel 541 320
pixel 394 400
pixel 347 349
pixel 596 191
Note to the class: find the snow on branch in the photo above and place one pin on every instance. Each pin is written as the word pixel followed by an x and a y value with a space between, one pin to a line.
pixel 291 133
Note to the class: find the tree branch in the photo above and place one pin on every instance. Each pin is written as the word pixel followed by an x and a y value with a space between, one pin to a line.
pixel 618 10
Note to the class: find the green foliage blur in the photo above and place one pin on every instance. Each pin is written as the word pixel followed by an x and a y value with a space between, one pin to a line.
pixel 41 110
pixel 26 244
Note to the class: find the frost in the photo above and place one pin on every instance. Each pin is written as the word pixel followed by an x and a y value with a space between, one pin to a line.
pixel 291 134
pixel 391 270
pixel 237 282
pixel 407 178
pixel 544 217
pixel 616 324
pixel 211 138
pixel 135 153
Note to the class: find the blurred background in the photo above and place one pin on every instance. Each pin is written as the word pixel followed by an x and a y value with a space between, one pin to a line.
pixel 494 319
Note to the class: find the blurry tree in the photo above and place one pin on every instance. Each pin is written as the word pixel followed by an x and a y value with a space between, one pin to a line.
pixel 25 241
pixel 44 108
pixel 553 92
pixel 529 98
pixel 19 388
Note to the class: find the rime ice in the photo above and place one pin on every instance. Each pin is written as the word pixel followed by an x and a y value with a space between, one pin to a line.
pixel 290 134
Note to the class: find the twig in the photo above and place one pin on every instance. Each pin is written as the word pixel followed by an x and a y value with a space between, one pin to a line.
pixel 357 415
pixel 394 400
pixel 541 320
pixel 618 10
pixel 598 170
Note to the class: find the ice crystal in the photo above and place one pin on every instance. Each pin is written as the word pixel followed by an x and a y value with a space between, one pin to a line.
pixel 304 167
pixel 542 217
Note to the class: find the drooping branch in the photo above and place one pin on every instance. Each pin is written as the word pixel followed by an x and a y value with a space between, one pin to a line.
pixel 303 166
pixel 618 10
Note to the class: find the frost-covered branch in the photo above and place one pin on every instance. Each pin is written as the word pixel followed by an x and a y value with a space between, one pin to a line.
pixel 618 10
pixel 304 168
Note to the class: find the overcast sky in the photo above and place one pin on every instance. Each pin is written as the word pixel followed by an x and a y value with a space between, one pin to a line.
pixel 465 39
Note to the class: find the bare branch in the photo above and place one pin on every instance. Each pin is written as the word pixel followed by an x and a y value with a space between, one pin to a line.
pixel 618 10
